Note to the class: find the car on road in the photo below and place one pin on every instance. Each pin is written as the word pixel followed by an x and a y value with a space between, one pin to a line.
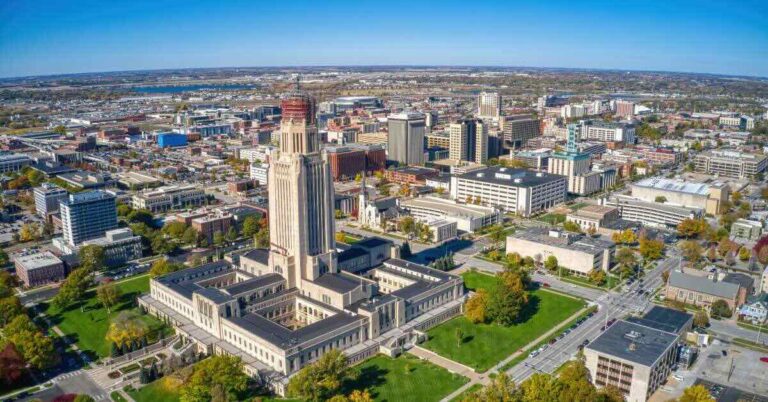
pixel 602 328
pixel 552 341
pixel 764 359
pixel 534 353
pixel 724 352
pixel 545 284
pixel 611 321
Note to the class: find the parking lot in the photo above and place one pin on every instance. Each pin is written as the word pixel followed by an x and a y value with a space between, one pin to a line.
pixel 730 372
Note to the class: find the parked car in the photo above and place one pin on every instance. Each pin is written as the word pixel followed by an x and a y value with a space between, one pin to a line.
pixel 764 359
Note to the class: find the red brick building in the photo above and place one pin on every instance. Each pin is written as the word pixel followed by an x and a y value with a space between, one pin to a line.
pixel 347 161
pixel 410 175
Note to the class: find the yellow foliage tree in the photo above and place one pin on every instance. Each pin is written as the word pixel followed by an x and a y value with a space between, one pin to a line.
pixel 126 327
pixel 475 307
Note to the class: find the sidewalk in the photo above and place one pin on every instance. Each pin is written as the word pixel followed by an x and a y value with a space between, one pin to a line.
pixel 485 378
pixel 448 364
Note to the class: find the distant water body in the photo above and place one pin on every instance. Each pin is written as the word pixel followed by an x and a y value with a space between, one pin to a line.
pixel 190 88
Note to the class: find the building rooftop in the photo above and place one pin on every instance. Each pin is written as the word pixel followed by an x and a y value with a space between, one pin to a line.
pixel 88 196
pixel 560 239
pixel 633 342
pixel 254 283
pixel 680 186
pixel 664 319
pixel 37 260
pixel 450 208
pixel 700 284
pixel 511 177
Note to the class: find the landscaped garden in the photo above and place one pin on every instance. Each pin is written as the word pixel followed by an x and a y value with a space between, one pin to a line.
pixel 552 218
pixel 87 323
pixel 484 345
pixel 165 389
pixel 405 378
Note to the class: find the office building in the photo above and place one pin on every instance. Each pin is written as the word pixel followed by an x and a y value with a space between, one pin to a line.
pixel 519 191
pixel 440 229
pixel 39 269
pixel 728 163
pixel 468 141
pixel 516 130
pixel 650 213
pixel 348 161
pixel 285 307
pixel 165 140
pixel 260 173
pixel 575 166
pixel 209 223
pixel 119 245
pixel 625 109
pixel 594 217
pixel 636 355
pixel 13 162
pixel 747 230
pixel 711 197
pixel 438 140
pixel 47 198
pixel 166 198
pixel 83 180
pixel 537 159
pixel 410 175
pixel 607 131
pixel 405 141
pixel 575 252
pixel 469 218
pixel 87 215
pixel 489 105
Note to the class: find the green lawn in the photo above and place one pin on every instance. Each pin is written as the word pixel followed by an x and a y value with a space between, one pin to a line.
pixel 405 378
pixel 552 219
pixel 485 345
pixel 474 388
pixel 162 390
pixel 89 326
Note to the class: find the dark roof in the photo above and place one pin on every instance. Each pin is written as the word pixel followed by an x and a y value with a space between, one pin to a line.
pixel 633 342
pixel 260 255
pixel 371 242
pixel 213 294
pixel 742 280
pixel 284 337
pixel 254 283
pixel 338 282
pixel 351 253
pixel 665 319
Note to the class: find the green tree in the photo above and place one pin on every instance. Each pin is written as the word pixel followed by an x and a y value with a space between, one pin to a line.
pixel 597 276
pixel 261 239
pixel 36 348
pixel 651 249
pixel 626 258
pixel 108 294
pixel 10 307
pixel 700 319
pixel 407 225
pixel 162 267
pixel 696 393
pixel 691 251
pixel 83 398
pixel 660 199
pixel 218 239
pixel 720 308
pixel 141 216
pixel 405 250
pixel 323 379
pixel 73 288
pixel 92 257
pixel 223 373
pixel 232 234
pixel 4 259
pixel 250 226
pixel 571 226
pixel 175 229
pixel 551 263
pixel 507 300
pixel 61 130
pixel 189 237
pixel 501 388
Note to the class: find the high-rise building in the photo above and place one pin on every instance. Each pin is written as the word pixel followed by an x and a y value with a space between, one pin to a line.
pixel 489 105
pixel 301 223
pixel 87 215
pixel 47 198
pixel 625 108
pixel 518 129
pixel 468 141
pixel 575 165
pixel 405 142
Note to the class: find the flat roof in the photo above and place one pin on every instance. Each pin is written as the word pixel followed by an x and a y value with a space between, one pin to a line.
pixel 564 240
pixel 664 319
pixel 37 260
pixel 680 186
pixel 511 177
pixel 633 342
pixel 448 207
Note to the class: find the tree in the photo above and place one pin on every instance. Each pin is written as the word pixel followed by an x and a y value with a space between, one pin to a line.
pixel 36 348
pixel 507 300
pixel 141 216
pixel 114 350
pixel 232 234
pixel 261 239
pixel 10 307
pixel 665 276
pixel 405 250
pixel 597 276
pixel 501 388
pixel 651 249
pixel 626 236
pixel 322 379
pixel 475 307
pixel 696 393
pixel 12 364
pixel 459 336
pixel 690 228
pixel 218 239
pixel 73 288
pixel 108 294
pixel 360 396
pixel 250 226
pixel 189 237
pixel 551 263
pixel 744 254
pixel 660 199
pixel 720 309
pixel 30 232
pixel 92 257
pixel 571 226
pixel 497 234
pixel 691 251
pixel 126 327
pixel 626 258
pixel 4 259
pixel 162 267
pixel 84 398
pixel 701 319
pixel 407 225
pixel 175 229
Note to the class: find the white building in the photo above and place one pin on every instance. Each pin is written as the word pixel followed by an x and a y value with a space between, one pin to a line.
pixel 260 173
pixel 468 218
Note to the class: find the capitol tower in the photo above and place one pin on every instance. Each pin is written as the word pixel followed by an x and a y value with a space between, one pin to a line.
pixel 301 220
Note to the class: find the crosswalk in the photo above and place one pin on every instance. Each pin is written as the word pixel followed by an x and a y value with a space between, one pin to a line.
pixel 64 376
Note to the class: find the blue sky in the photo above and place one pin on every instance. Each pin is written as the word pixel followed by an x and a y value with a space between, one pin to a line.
pixel 49 37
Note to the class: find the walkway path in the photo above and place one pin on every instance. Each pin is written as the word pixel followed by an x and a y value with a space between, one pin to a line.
pixel 484 378
pixel 448 364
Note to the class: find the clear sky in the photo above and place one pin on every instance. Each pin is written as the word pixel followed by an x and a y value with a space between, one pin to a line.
pixel 49 37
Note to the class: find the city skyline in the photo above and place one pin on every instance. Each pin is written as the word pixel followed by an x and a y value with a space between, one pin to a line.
pixel 676 36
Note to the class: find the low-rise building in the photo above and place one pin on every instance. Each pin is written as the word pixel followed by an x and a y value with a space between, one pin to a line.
pixel 468 218
pixel 13 162
pixel 120 246
pixel 138 181
pixel 637 355
pixel 410 175
pixel 39 269
pixel 729 163
pixel 575 252
pixel 593 217
pixel 650 213
pixel 260 173
pixel 756 312
pixel 87 180
pixel 520 191
pixel 711 197
pixel 441 229
pixel 702 291
pixel 166 198
pixel 747 229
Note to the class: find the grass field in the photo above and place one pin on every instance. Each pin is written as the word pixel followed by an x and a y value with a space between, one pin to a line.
pixel 552 218
pixel 405 378
pixel 474 388
pixel 89 326
pixel 162 390
pixel 485 345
